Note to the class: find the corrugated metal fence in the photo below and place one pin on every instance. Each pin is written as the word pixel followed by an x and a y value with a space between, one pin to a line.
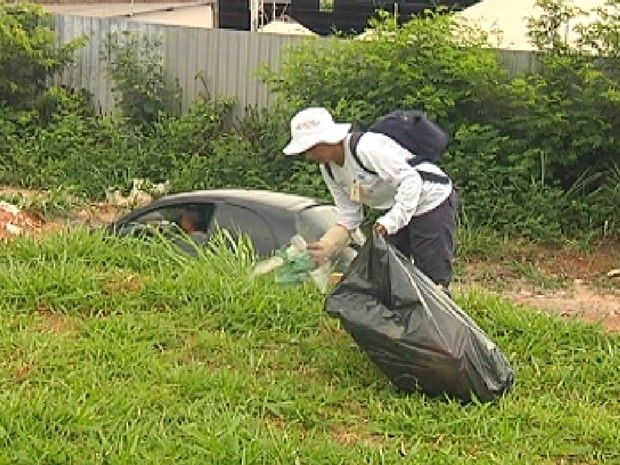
pixel 224 61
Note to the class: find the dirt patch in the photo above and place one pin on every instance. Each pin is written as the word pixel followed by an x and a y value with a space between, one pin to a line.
pixel 124 284
pixel 566 282
pixel 352 435
pixel 573 263
pixel 49 321
pixel 14 222
pixel 592 305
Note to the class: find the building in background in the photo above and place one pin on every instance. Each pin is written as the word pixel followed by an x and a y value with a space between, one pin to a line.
pixel 284 24
pixel 179 13
pixel 507 20
pixel 322 16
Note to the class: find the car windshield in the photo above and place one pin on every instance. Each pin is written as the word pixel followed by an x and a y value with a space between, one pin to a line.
pixel 312 222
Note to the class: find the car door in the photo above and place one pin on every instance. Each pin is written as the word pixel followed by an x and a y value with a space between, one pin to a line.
pixel 237 219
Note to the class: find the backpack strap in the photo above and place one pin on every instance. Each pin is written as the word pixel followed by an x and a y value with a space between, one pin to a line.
pixel 426 175
pixel 328 168
pixel 353 141
pixel 413 162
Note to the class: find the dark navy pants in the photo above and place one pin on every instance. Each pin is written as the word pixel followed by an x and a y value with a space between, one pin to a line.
pixel 429 239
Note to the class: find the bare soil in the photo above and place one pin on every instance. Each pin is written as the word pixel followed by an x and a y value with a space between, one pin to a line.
pixel 567 281
pixel 34 224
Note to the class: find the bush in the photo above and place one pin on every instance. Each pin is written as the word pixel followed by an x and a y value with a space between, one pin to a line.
pixel 110 150
pixel 421 64
pixel 483 164
pixel 135 65
pixel 195 131
pixel 569 111
pixel 29 53
pixel 267 131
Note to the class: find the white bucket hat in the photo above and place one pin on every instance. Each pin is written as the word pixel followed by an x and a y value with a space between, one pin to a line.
pixel 313 126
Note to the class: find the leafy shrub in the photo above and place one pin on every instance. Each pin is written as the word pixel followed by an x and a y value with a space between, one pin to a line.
pixel 110 151
pixel 421 64
pixel 570 112
pixel 195 131
pixel 500 188
pixel 29 53
pixel 267 131
pixel 135 65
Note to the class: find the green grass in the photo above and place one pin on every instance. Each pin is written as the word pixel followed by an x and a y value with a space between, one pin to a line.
pixel 117 352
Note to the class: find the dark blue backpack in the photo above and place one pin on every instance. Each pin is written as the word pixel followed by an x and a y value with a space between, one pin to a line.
pixel 412 130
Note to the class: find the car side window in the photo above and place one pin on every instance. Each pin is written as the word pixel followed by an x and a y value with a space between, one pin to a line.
pixel 192 217
pixel 164 214
pixel 243 220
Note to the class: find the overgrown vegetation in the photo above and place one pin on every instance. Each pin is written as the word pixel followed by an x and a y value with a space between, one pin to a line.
pixel 119 351
pixel 136 67
pixel 534 155
pixel 114 350
pixel 29 54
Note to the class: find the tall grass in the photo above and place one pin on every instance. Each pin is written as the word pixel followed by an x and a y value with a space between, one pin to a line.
pixel 120 351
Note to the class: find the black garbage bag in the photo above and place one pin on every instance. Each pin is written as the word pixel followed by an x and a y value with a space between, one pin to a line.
pixel 413 331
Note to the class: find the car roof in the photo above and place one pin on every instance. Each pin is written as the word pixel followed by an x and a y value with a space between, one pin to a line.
pixel 241 197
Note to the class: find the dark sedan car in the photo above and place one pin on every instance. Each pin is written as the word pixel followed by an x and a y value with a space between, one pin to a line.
pixel 270 219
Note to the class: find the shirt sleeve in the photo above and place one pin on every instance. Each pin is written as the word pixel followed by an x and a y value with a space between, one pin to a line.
pixel 350 214
pixel 389 160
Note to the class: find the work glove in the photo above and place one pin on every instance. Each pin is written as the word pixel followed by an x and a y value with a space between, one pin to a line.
pixel 331 244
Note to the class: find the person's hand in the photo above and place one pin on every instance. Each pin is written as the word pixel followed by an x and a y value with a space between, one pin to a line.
pixel 380 229
pixel 331 243
pixel 320 251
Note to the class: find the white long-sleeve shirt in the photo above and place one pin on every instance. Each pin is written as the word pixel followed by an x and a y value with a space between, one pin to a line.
pixel 397 187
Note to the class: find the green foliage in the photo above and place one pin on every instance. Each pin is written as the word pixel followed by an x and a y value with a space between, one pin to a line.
pixel 594 200
pixel 193 132
pixel 421 64
pixel 603 36
pixel 268 131
pixel 198 150
pixel 111 150
pixel 29 53
pixel 570 112
pixel 502 187
pixel 134 62
pixel 547 30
